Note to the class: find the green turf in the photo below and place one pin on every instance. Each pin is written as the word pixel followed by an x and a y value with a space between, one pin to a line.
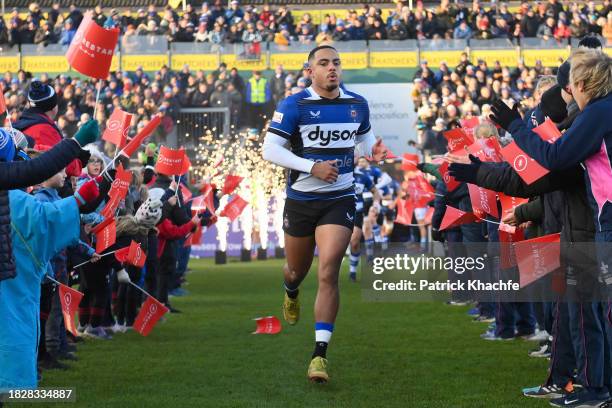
pixel 381 354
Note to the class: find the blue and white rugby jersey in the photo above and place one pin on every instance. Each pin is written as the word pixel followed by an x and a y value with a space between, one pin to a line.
pixel 321 129
pixel 363 185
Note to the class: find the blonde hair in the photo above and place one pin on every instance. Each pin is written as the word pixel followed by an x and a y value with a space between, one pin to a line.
pixel 594 69
pixel 484 130
pixel 545 82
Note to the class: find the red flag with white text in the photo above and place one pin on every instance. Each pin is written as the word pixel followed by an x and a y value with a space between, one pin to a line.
pixel 170 161
pixel 92 48
pixel 117 128
pixel 231 183
pixel 69 300
pixel 234 208
pixel 106 234
pixel 454 217
pixel 526 167
pixel 150 312
pixel 537 257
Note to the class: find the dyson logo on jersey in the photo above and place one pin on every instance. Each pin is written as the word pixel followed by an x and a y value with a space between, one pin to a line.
pixel 330 135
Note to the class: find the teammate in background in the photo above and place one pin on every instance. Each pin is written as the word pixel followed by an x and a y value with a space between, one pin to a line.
pixel 316 133
pixel 363 184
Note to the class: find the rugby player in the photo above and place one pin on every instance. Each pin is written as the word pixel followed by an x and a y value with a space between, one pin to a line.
pixel 315 134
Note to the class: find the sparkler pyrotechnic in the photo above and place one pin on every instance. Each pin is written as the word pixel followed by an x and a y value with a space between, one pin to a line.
pixel 240 154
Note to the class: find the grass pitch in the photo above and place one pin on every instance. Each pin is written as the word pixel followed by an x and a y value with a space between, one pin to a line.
pixel 381 354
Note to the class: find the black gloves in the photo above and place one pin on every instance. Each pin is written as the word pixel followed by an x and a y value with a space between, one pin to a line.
pixel 83 157
pixel 503 115
pixel 465 172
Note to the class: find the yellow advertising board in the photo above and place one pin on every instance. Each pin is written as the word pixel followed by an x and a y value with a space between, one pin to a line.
pixel 505 57
pixel 207 62
pixel 354 60
pixel 10 64
pixel 244 65
pixel 147 62
pixel 393 59
pixel 549 58
pixel 434 58
pixel 290 61
pixel 45 63
pixel 114 64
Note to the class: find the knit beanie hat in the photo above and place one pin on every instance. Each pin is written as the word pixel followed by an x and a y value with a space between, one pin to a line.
pixel 563 74
pixel 553 105
pixel 149 213
pixel 42 97
pixel 7 146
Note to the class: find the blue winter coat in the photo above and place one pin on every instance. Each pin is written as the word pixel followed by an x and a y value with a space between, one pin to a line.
pixel 38 231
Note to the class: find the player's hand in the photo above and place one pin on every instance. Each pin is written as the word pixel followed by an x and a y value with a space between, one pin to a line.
pixel 379 151
pixel 173 200
pixel 95 258
pixel 325 170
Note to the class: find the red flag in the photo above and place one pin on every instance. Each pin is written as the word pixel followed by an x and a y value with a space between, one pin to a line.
pixel 267 325
pixel 121 255
pixel 2 101
pixel 146 131
pixel 136 256
pixel 209 199
pixel 117 128
pixel 234 208
pixel 468 125
pixel 483 201
pixel 454 217
pixel 118 191
pixel 231 182
pixel 526 167
pixel 537 257
pixel 458 140
pixel 194 238
pixel 186 193
pixel 420 191
pixel 170 161
pixel 548 131
pixel 405 210
pixel 106 234
pixel 150 312
pixel 509 203
pixel 91 50
pixel 450 181
pixel 69 299
pixel 198 203
pixel 507 256
pixel 186 164
pixel 410 161
pixel 488 150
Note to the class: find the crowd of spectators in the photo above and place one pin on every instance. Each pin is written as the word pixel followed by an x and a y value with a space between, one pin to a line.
pixel 164 92
pixel 442 97
pixel 216 24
